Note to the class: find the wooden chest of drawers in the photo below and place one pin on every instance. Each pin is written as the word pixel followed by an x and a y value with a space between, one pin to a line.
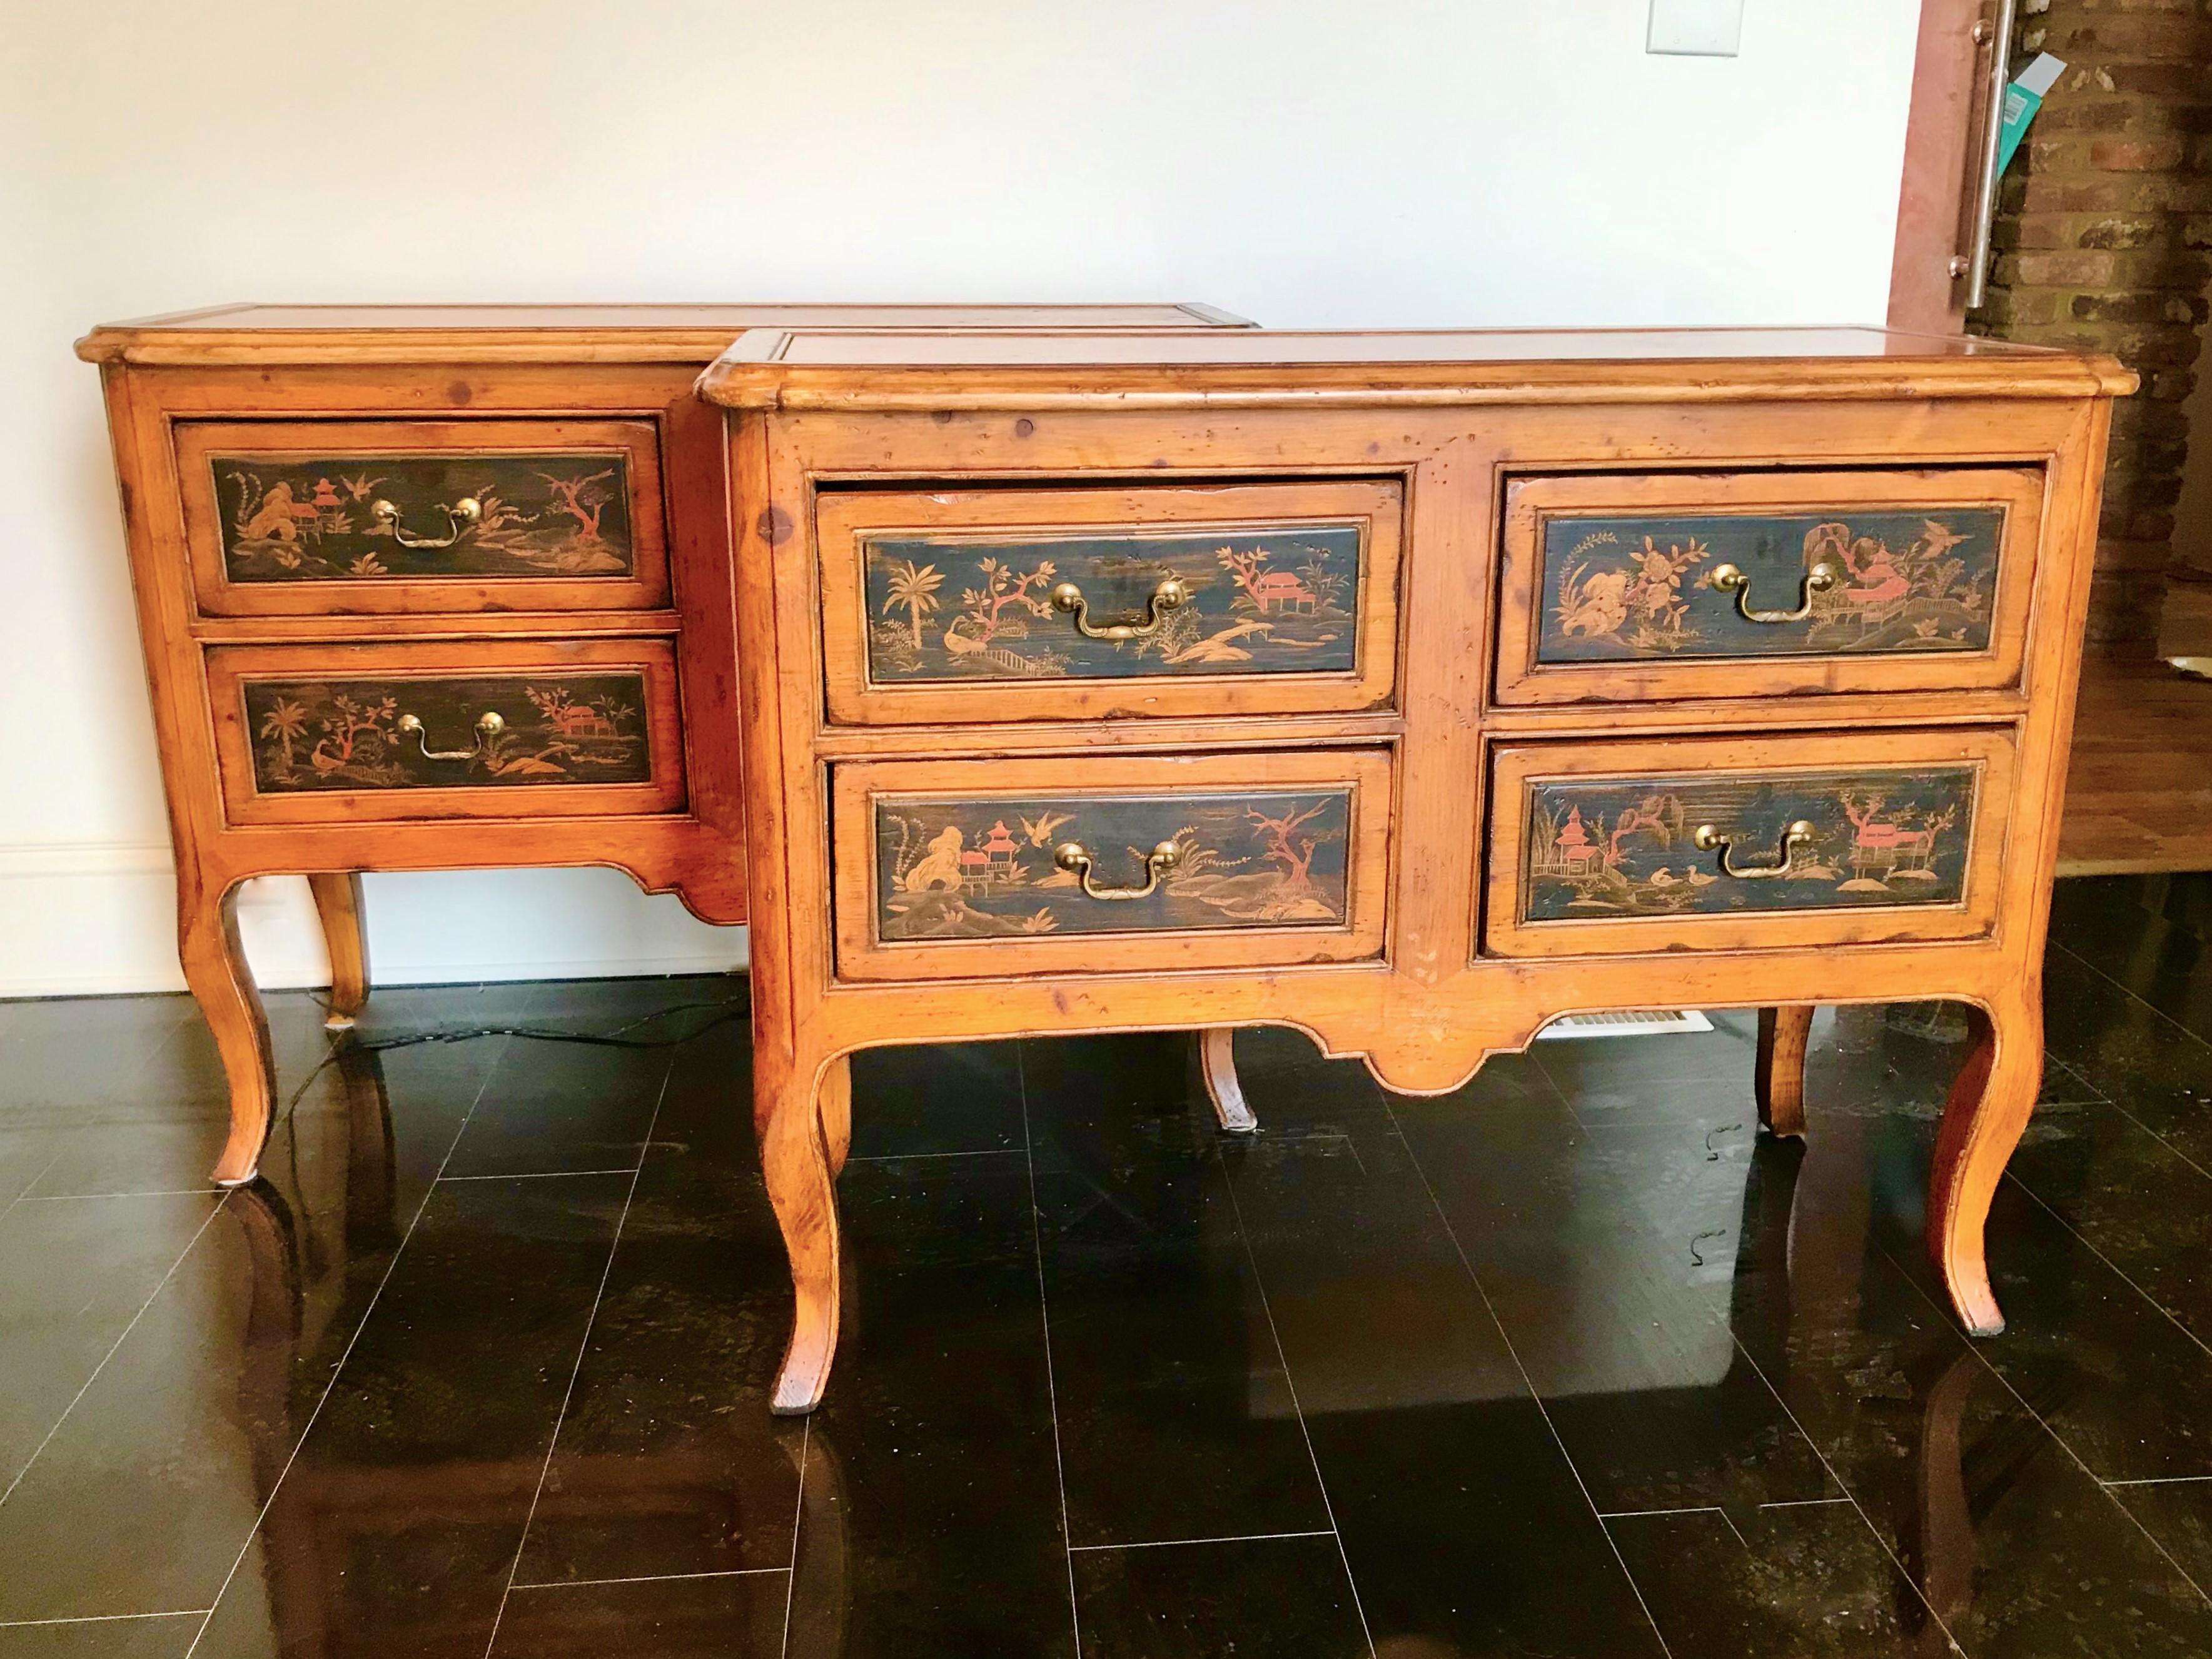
pixel 432 587
pixel 1412 689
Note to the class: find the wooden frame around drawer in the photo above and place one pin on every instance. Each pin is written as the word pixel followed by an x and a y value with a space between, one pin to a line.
pixel 845 520
pixel 229 667
pixel 1531 499
pixel 1513 766
pixel 856 786
pixel 645 588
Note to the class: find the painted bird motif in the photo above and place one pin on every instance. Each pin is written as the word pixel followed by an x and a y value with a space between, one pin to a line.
pixel 1039 829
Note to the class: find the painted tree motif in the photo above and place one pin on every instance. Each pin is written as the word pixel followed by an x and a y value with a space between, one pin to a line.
pixel 914 589
pixel 984 609
pixel 350 728
pixel 287 722
pixel 583 499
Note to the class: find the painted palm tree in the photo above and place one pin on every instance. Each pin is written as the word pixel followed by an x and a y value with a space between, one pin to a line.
pixel 285 721
pixel 915 591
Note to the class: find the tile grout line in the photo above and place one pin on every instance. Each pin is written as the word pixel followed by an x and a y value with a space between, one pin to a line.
pixel 337 1370
pixel 549 1175
pixel 797 1518
pixel 1829 1469
pixel 1550 1082
pixel 101 1619
pixel 1975 1348
pixel 2120 1272
pixel 26 1189
pixel 1529 1382
pixel 650 1579
pixel 80 1198
pixel 199 1232
pixel 1227 1538
pixel 2158 1138
pixel 1282 1359
pixel 1044 1312
pixel 2159 1480
pixel 2135 996
pixel 583 1347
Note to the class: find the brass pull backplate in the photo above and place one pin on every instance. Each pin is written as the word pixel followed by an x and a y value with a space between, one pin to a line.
pixel 1074 858
pixel 1171 594
pixel 1708 839
pixel 487 728
pixel 1728 578
pixel 461 517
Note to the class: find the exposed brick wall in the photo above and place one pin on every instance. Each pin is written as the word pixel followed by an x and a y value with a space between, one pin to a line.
pixel 2102 234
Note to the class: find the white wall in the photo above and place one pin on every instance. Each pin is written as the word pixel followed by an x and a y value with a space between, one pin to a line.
pixel 1468 161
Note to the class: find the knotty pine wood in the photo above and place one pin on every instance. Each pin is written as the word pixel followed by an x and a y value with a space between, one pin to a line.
pixel 439 378
pixel 1455 417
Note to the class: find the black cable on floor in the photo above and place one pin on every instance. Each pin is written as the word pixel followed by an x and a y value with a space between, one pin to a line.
pixel 725 1012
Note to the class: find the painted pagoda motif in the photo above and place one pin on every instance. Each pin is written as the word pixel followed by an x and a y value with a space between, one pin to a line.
pixel 949 869
pixel 960 607
pixel 1626 847
pixel 1641 587
pixel 317 517
pixel 351 734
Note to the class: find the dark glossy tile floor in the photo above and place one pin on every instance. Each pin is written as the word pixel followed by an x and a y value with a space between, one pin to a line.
pixel 1571 1363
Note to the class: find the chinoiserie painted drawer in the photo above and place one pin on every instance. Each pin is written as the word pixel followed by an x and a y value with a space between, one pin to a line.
pixel 991 603
pixel 971 869
pixel 293 517
pixel 1725 843
pixel 323 733
pixel 1637 587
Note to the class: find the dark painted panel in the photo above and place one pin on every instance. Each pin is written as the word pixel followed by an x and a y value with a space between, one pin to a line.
pixel 307 517
pixel 957 607
pixel 343 734
pixel 951 869
pixel 1611 847
pixel 1638 585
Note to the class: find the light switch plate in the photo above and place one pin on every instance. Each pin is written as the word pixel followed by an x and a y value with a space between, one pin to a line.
pixel 1695 28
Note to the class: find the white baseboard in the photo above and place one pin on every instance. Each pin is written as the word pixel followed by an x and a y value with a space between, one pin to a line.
pixel 100 919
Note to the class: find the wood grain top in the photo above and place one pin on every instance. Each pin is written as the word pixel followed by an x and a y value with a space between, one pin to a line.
pixel 892 369
pixel 258 333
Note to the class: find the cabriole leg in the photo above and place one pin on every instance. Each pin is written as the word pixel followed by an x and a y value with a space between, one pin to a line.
pixel 220 982
pixel 1989 1107
pixel 338 902
pixel 1779 1079
pixel 833 1100
pixel 795 1158
pixel 1217 1061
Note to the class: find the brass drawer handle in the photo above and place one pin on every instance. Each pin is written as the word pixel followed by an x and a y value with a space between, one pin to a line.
pixel 487 728
pixel 1708 839
pixel 461 517
pixel 1171 594
pixel 1073 857
pixel 1727 579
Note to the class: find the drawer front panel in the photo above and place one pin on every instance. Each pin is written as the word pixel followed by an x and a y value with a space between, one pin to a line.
pixel 292 518
pixel 1627 847
pixel 424 733
pixel 1182 599
pixel 983 869
pixel 949 868
pixel 1634 846
pixel 1754 584
pixel 322 733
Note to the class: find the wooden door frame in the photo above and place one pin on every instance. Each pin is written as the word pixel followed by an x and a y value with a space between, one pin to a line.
pixel 1946 117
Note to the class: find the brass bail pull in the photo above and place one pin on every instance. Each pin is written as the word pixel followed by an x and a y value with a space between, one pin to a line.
pixel 1708 839
pixel 1074 858
pixel 489 727
pixel 1171 594
pixel 461 517
pixel 1728 578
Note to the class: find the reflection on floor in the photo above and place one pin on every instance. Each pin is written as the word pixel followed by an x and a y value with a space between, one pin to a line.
pixel 1570 1363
